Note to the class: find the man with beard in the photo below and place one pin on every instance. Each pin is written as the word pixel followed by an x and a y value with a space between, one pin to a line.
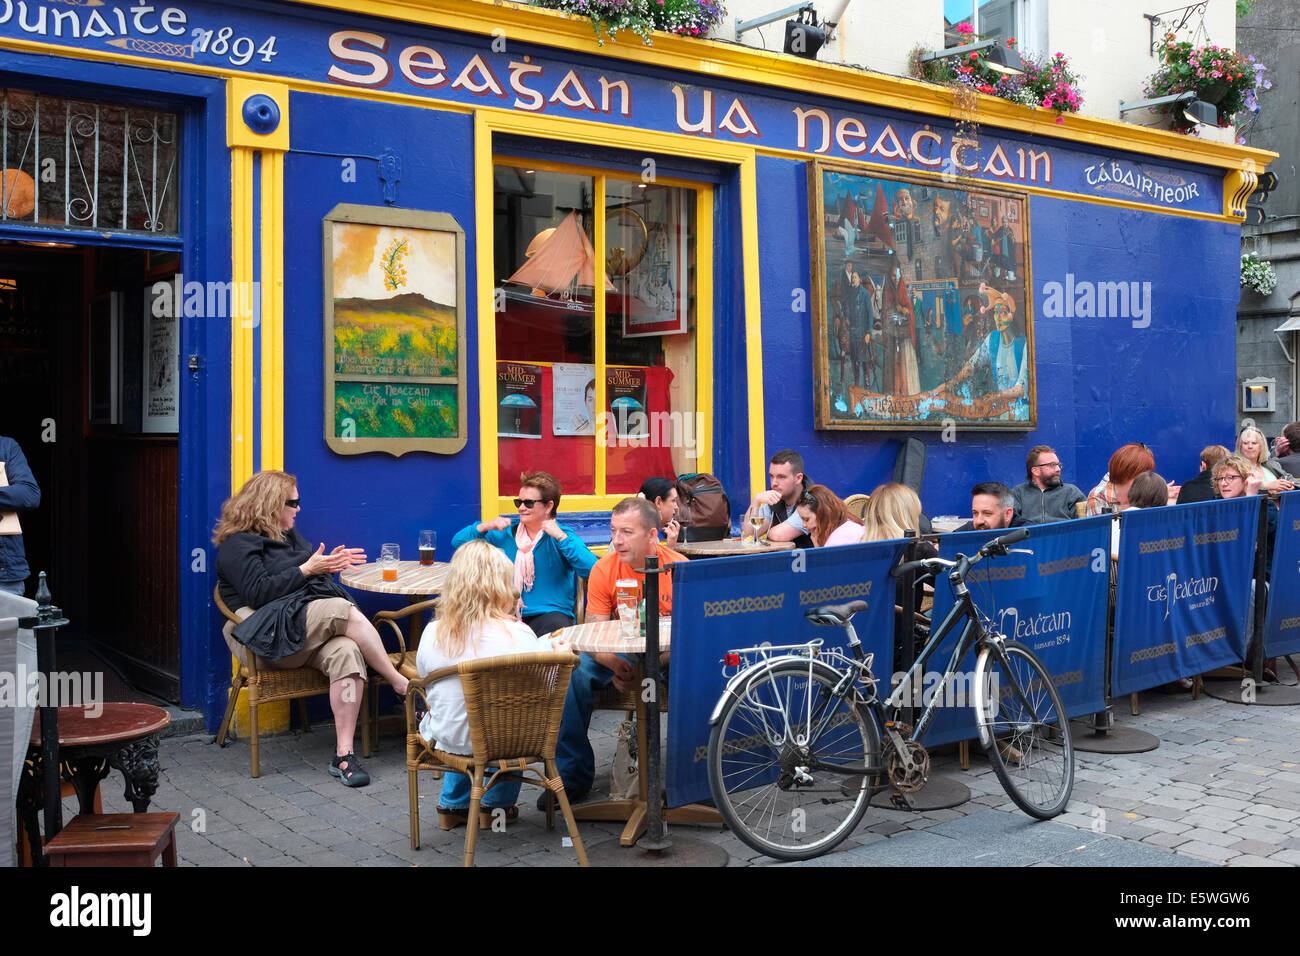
pixel 1044 497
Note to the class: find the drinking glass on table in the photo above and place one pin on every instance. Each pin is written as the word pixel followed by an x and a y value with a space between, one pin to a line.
pixel 389 555
pixel 428 547
pixel 755 523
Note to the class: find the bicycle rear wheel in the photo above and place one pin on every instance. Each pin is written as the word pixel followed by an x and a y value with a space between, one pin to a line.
pixel 1029 735
pixel 772 779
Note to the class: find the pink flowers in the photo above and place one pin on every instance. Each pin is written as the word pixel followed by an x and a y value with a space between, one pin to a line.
pixel 964 28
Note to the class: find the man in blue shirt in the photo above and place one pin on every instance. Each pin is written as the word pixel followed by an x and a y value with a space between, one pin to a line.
pixel 19 493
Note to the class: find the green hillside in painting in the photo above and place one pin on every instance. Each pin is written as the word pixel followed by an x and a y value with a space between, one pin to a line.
pixel 405 335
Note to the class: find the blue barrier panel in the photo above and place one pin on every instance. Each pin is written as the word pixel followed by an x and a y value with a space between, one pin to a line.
pixel 1282 623
pixel 724 603
pixel 1183 591
pixel 1053 602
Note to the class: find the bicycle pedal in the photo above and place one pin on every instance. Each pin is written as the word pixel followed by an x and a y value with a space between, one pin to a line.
pixel 901 801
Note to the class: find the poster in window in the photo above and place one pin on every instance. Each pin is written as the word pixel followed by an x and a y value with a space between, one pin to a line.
pixel 650 265
pixel 519 400
pixel 394 331
pixel 625 391
pixel 161 368
pixel 922 314
pixel 573 399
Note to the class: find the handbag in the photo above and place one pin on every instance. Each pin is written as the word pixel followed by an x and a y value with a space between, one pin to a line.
pixel 624 775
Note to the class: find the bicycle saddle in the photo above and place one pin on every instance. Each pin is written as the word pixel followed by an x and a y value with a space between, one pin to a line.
pixel 834 614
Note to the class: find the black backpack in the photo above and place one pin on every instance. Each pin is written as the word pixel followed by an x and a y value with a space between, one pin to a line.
pixel 706 508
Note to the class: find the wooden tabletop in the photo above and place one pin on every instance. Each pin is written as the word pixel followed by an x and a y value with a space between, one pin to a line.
pixel 413 578
pixel 603 637
pixel 729 547
pixel 119 721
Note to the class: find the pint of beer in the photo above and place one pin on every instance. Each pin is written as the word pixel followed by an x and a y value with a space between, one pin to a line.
pixel 389 555
pixel 627 594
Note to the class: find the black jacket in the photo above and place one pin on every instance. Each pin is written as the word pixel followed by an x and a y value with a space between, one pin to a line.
pixel 21 494
pixel 1200 488
pixel 263 573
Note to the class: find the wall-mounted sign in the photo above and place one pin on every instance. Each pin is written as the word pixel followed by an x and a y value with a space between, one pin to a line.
pixel 394 331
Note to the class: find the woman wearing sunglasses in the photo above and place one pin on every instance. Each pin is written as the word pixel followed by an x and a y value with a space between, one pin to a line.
pixel 546 555
pixel 295 614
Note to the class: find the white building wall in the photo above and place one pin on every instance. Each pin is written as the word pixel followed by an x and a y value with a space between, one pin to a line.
pixel 1108 41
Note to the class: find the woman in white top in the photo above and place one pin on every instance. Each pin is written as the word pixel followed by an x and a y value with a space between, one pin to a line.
pixel 477 617
pixel 826 519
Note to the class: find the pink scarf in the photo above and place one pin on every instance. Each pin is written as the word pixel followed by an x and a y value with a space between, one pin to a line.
pixel 524 568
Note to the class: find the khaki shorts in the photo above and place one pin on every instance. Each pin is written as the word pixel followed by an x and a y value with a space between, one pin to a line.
pixel 325 649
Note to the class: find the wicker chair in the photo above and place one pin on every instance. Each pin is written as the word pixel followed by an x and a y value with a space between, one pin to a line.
pixel 514 704
pixel 857 504
pixel 403 659
pixel 267 684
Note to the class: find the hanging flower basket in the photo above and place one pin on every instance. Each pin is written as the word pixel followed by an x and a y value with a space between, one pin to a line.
pixel 1257 274
pixel 1214 73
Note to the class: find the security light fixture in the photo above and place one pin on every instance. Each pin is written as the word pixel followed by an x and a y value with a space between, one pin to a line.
pixel 803 36
pixel 1001 58
pixel 1187 106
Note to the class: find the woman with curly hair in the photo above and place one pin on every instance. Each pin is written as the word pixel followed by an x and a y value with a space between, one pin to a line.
pixel 477 617
pixel 295 615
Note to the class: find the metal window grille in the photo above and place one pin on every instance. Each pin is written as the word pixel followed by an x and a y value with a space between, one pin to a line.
pixel 82 164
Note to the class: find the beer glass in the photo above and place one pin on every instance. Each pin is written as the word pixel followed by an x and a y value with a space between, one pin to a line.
pixel 428 547
pixel 389 555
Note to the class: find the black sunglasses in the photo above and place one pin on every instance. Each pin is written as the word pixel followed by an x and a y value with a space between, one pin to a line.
pixel 808 499
pixel 527 502
pixel 293 503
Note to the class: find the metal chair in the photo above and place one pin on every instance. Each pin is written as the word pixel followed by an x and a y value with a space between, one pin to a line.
pixel 267 684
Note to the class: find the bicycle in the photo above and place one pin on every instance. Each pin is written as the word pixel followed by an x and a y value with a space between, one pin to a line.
pixel 801 741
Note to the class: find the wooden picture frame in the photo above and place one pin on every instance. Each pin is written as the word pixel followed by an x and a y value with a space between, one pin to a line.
pixel 394 330
pixel 937 329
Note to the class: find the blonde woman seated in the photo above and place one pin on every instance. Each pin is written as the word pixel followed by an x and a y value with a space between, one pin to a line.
pixel 1267 471
pixel 826 518
pixel 477 617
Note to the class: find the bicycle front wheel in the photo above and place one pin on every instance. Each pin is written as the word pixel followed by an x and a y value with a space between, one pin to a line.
pixel 1028 733
pixel 791 764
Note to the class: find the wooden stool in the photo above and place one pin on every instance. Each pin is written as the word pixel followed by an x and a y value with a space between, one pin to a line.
pixel 115 839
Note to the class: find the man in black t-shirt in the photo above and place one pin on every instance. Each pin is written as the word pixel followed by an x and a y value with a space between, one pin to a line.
pixel 778 506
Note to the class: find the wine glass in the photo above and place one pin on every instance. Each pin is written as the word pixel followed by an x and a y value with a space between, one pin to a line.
pixel 755 523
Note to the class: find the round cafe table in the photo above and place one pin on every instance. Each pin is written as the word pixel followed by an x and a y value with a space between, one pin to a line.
pixel 122 736
pixel 415 581
pixel 730 547
pixel 604 637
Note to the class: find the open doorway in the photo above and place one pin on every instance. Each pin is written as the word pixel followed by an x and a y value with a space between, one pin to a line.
pixel 89 388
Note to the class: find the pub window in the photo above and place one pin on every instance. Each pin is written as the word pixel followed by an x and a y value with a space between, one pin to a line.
pixel 599 390
pixel 85 164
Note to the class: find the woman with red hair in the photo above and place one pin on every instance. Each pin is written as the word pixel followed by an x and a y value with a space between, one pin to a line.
pixel 1111 494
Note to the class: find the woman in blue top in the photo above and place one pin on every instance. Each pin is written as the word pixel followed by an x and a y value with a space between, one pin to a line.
pixel 546 555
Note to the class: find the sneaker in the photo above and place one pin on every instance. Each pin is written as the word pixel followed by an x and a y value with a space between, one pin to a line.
pixel 349 771
pixel 575 797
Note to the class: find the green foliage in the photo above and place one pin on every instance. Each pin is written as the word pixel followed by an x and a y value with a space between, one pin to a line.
pixel 609 17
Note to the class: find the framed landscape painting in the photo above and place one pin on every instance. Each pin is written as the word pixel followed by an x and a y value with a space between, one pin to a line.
pixel 394 331
pixel 922 311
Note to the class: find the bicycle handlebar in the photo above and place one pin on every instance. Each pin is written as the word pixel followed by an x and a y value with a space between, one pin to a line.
pixel 995 548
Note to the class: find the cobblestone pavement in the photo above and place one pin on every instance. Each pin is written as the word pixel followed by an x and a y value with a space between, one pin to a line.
pixel 1222 788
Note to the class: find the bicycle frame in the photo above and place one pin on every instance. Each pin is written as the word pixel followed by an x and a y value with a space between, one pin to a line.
pixel 971 634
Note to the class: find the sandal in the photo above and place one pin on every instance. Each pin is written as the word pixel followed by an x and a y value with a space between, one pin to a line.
pixel 449 819
pixel 352 775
